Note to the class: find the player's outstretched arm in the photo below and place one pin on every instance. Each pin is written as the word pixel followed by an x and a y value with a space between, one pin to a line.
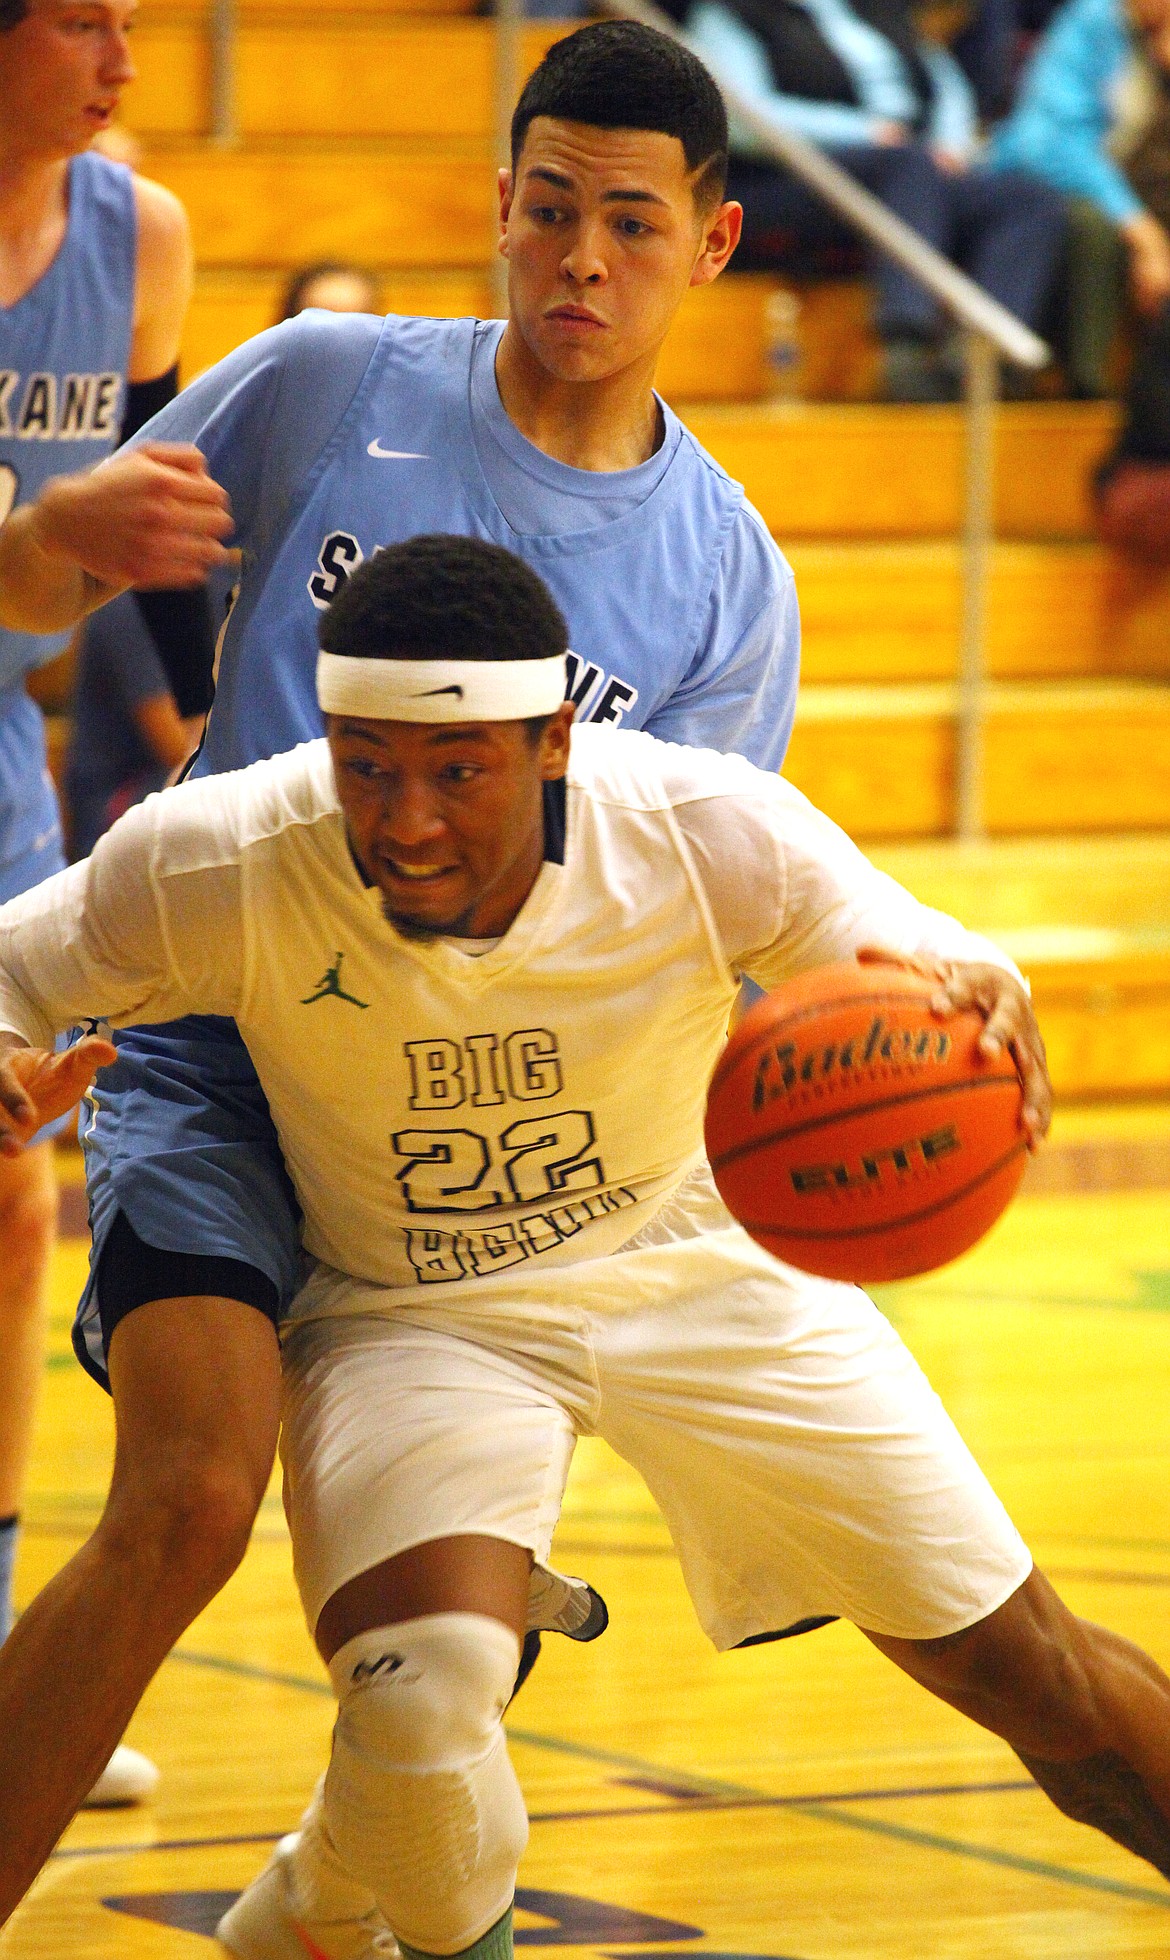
pixel 152 517
pixel 36 1085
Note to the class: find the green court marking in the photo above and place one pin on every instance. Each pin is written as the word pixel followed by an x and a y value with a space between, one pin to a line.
pixel 569 1546
pixel 582 1514
pixel 984 1854
pixel 1148 1292
pixel 250 1671
pixel 1103 1543
pixel 703 1786
pixel 736 1793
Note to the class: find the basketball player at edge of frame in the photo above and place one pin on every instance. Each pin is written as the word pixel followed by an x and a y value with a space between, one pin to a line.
pixel 591 899
pixel 95 275
pixel 333 437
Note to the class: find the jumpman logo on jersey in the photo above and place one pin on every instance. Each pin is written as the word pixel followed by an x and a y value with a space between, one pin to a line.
pixel 329 986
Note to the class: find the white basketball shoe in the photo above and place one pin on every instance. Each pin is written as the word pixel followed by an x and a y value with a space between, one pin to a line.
pixel 558 1604
pixel 267 1921
pixel 127 1778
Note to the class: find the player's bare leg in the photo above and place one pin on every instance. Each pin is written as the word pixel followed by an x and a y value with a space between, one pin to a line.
pixel 1087 1712
pixel 196 1387
pixel 419 1822
pixel 28 1225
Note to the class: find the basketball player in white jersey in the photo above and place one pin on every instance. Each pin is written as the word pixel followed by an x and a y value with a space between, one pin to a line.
pixel 483 963
pixel 95 276
pixel 334 438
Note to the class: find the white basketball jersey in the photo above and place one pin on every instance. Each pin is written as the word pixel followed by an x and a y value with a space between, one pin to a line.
pixel 446 1119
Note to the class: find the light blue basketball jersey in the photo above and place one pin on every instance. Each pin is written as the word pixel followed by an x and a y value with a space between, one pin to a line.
pixel 64 352
pixel 335 436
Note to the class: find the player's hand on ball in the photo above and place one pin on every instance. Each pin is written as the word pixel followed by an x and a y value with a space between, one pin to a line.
pixel 1011 1024
pixel 151 517
pixel 37 1085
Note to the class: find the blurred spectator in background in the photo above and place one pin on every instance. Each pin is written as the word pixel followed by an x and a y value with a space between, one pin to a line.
pixel 331 285
pixel 879 90
pixel 1133 488
pixel 127 734
pixel 1093 119
pixel 985 48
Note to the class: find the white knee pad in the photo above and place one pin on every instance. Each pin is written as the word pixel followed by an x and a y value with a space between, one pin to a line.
pixel 421 1799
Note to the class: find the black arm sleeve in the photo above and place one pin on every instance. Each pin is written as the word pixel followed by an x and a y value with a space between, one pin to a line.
pixel 146 398
pixel 179 620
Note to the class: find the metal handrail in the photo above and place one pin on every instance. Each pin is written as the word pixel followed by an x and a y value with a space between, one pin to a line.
pixel 990 331
pixel 222 65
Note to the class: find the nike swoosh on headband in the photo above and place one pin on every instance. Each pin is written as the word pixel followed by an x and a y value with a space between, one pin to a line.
pixel 395 455
pixel 430 691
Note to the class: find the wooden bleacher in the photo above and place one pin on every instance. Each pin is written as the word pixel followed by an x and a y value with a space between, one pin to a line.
pixel 365 133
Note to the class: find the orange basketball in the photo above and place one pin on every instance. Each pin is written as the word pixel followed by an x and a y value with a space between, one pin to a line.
pixel 856 1134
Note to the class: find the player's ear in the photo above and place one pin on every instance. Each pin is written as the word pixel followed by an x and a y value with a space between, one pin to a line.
pixel 721 233
pixel 554 743
pixel 507 191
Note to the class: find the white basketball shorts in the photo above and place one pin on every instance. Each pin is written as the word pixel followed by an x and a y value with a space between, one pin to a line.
pixel 799 1456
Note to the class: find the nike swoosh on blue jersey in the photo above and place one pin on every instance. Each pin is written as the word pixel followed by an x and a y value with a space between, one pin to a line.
pixel 395 455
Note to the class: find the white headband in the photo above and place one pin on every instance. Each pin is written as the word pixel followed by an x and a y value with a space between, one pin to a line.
pixel 440 690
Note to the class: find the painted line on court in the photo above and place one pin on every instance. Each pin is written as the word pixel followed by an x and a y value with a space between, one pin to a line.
pixel 165 1844
pixel 987 1855
pixel 250 1671
pixel 816 1810
pixel 736 1795
pixel 692 1800
pixel 898 1300
pixel 604 1548
pixel 687 1800
pixel 46 1528
pixel 1100 1578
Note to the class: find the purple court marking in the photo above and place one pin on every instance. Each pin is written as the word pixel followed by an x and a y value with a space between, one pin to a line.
pixel 167 1844
pixel 572 1921
pixel 695 1799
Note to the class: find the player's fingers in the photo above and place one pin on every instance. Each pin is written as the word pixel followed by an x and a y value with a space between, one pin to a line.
pixel 1004 1024
pixel 176 559
pixel 15 1101
pixel 874 955
pixel 70 1073
pixel 18 1111
pixel 1032 1063
pixel 196 492
pixel 94 1050
pixel 161 518
pixel 1012 1027
pixel 177 456
pixel 54 1082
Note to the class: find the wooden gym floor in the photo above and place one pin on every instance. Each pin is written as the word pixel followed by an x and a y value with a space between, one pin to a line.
pixel 802 1800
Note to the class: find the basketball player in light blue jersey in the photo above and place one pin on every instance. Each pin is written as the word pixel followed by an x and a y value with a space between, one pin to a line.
pixel 334 437
pixel 94 279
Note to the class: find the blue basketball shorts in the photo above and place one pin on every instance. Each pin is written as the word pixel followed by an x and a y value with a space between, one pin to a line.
pixel 179 1141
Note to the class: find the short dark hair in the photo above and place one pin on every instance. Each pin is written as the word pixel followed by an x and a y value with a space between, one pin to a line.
pixel 444 598
pixel 618 74
pixel 12 12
